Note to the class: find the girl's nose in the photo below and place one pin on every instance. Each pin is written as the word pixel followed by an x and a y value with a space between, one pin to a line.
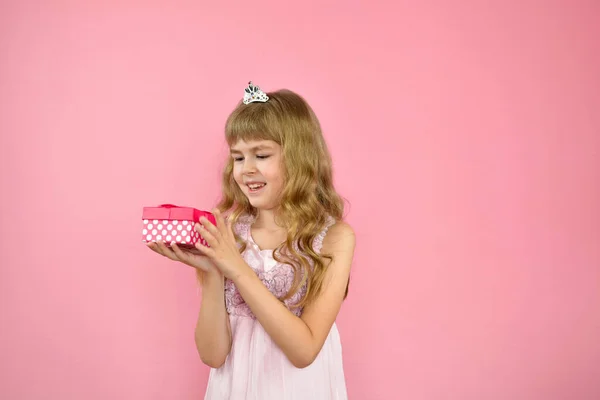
pixel 249 168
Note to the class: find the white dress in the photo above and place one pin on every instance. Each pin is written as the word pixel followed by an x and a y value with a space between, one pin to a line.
pixel 256 369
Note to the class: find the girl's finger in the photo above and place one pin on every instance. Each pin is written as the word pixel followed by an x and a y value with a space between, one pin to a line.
pixel 230 229
pixel 208 236
pixel 207 251
pixel 198 228
pixel 165 251
pixel 181 255
pixel 210 228
pixel 154 247
pixel 220 221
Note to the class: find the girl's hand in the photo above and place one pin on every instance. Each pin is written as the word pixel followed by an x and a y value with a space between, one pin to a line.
pixel 191 258
pixel 223 250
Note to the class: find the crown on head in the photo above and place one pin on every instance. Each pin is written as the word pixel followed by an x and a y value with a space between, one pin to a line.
pixel 253 94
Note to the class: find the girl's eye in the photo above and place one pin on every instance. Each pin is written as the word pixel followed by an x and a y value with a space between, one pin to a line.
pixel 261 157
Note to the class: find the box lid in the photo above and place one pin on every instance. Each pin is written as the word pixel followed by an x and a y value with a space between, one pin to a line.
pixel 171 212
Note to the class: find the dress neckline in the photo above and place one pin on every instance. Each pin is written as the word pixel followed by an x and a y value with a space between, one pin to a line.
pixel 251 240
pixel 250 220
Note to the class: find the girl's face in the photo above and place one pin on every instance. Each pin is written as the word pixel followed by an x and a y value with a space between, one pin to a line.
pixel 257 169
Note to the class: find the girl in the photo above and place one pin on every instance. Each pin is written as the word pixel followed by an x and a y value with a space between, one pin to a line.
pixel 277 268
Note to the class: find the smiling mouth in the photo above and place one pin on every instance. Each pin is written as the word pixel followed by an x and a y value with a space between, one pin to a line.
pixel 255 187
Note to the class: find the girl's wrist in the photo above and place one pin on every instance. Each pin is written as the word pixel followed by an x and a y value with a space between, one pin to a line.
pixel 242 272
pixel 214 276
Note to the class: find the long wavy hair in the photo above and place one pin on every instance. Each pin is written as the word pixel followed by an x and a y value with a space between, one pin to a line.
pixel 308 196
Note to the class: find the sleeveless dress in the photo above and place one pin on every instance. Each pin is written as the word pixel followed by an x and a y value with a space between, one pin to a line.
pixel 256 369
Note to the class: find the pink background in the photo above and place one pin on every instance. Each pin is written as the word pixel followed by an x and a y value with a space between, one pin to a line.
pixel 465 136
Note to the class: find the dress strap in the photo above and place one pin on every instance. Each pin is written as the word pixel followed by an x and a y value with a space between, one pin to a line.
pixel 318 242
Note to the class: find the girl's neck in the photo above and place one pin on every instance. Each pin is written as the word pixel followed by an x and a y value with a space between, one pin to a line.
pixel 266 220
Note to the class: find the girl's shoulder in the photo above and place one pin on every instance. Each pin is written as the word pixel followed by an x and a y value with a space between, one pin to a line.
pixel 335 235
pixel 338 234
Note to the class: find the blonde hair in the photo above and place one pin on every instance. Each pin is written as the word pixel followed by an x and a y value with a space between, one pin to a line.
pixel 308 196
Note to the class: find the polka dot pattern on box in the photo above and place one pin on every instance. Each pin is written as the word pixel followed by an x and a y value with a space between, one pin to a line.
pixel 180 232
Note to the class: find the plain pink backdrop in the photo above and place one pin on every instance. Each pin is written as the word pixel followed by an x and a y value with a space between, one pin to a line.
pixel 465 136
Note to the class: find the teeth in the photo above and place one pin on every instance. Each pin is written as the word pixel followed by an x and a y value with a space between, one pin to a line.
pixel 256 185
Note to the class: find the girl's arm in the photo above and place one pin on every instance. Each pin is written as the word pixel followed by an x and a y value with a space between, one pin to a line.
pixel 213 331
pixel 301 338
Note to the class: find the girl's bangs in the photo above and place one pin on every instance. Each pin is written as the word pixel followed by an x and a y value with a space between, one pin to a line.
pixel 249 126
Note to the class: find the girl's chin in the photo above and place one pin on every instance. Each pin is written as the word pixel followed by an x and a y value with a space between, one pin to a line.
pixel 260 203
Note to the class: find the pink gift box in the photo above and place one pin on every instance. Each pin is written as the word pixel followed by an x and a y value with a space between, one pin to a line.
pixel 170 223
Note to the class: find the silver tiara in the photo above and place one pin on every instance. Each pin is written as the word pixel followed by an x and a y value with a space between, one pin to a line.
pixel 253 94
